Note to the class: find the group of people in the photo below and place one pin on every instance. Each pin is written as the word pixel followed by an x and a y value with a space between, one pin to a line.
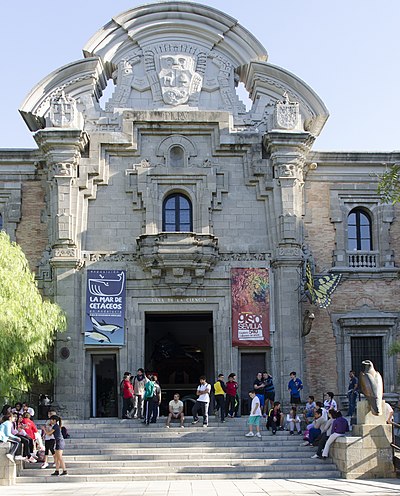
pixel 27 442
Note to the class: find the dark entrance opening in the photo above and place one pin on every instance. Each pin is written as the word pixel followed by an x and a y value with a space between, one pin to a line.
pixel 179 349
pixel 250 364
pixel 104 386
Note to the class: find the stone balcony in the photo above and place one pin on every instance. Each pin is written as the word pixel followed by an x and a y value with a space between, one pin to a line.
pixel 178 259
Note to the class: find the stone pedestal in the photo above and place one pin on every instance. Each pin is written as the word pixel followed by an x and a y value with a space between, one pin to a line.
pixel 8 472
pixel 366 454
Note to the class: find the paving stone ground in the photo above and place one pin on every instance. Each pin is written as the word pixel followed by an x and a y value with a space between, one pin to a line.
pixel 270 487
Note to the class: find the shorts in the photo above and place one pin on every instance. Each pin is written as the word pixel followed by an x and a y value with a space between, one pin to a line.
pixel 254 420
pixel 261 398
pixel 270 396
pixel 60 445
pixel 295 400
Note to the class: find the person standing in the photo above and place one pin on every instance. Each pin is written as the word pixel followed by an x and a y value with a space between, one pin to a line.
pixel 127 396
pixel 55 429
pixel 295 386
pixel 153 401
pixel 255 415
pixel 202 402
pixel 269 392
pixel 139 383
pixel 352 393
pixel 259 388
pixel 219 395
pixel 231 392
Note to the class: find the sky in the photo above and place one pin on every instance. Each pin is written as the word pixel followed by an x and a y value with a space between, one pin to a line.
pixel 346 50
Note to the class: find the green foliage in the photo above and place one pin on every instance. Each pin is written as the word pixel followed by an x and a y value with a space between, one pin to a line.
pixel 389 185
pixel 27 323
pixel 395 348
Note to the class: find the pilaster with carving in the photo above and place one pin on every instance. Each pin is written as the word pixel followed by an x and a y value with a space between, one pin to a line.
pixel 62 149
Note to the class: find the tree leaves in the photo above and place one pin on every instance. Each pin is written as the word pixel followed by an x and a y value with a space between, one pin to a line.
pixel 389 185
pixel 27 323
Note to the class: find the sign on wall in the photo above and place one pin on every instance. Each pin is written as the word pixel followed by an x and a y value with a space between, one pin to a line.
pixel 105 307
pixel 250 307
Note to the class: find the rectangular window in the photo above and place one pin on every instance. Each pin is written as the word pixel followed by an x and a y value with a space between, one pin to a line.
pixel 366 348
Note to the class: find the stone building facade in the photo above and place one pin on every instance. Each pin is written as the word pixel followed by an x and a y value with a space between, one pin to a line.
pixel 175 183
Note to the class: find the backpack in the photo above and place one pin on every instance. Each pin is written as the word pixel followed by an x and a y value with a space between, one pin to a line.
pixel 64 433
pixel 148 390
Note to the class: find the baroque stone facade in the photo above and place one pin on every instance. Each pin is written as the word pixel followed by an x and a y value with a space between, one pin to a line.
pixel 93 196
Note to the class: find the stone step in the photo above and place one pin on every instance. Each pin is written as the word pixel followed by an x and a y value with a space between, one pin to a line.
pixel 136 465
pixel 140 454
pixel 321 473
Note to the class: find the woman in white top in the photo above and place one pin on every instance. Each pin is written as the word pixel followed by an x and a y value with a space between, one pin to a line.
pixel 330 402
pixel 293 419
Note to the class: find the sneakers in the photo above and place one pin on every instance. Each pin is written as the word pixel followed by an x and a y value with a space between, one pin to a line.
pixel 258 434
pixel 205 425
pixel 249 434
pixel 19 457
pixel 299 433
pixel 316 456
pixel 274 431
pixel 291 433
pixel 10 457
pixel 56 473
pixel 44 465
pixel 195 421
pixel 182 426
pixel 31 459
pixel 64 473
pixel 306 443
pixel 167 426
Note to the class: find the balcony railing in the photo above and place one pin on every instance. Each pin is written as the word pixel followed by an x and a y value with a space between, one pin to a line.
pixel 363 259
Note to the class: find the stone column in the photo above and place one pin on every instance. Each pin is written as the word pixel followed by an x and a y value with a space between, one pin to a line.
pixel 288 151
pixel 62 149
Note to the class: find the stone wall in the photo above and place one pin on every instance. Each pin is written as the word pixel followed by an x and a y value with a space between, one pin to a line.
pixel 8 471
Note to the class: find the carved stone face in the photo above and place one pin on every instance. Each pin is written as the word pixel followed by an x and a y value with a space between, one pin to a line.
pixel 176 74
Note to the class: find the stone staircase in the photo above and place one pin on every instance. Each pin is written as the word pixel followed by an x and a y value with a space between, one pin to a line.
pixel 127 450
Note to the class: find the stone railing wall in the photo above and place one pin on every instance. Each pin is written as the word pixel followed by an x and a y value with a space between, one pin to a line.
pixel 8 470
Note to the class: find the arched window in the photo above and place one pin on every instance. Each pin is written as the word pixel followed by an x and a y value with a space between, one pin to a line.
pixel 177 213
pixel 359 229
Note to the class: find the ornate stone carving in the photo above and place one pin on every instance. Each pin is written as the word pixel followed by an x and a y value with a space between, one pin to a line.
pixel 62 169
pixel 178 259
pixel 109 257
pixel 65 253
pixel 175 72
pixel 286 113
pixel 244 257
pixel 63 111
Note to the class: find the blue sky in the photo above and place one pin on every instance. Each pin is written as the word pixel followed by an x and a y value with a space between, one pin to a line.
pixel 346 50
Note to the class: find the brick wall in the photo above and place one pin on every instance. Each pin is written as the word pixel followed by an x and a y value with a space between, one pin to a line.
pixel 377 293
pixel 31 233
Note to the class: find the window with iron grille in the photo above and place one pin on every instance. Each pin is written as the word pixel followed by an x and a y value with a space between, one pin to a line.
pixel 367 348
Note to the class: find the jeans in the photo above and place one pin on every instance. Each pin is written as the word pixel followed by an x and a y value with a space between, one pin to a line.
pixel 352 403
pixel 202 408
pixel 220 405
pixel 230 404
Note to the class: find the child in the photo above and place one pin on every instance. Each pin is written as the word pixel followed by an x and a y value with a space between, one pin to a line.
pixel 55 424
pixel 292 418
pixel 255 415
pixel 49 441
pixel 309 410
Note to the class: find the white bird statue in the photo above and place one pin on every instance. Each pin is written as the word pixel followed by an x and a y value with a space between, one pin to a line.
pixel 372 387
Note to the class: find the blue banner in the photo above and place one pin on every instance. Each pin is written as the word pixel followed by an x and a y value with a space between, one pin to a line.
pixel 105 307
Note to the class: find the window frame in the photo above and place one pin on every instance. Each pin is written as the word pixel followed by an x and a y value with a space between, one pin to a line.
pixel 177 196
pixel 359 238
